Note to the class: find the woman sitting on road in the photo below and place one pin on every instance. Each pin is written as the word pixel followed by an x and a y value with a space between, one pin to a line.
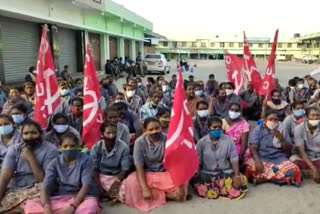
pixel 218 176
pixel 270 148
pixel 23 168
pixel 281 107
pixel 151 185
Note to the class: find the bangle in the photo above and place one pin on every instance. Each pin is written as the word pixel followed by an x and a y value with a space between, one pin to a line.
pixel 73 206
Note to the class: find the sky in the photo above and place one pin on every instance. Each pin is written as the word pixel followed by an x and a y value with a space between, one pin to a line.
pixel 204 19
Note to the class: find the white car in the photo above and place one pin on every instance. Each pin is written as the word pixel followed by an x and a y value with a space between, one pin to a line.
pixel 157 63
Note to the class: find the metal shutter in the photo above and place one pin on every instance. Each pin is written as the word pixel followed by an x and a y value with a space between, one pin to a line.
pixel 94 40
pixel 67 49
pixel 20 47
pixel 112 47
pixel 127 48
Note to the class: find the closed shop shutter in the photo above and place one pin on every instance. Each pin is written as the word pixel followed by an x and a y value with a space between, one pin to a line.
pixel 113 47
pixel 127 48
pixel 20 40
pixel 94 40
pixel 137 48
pixel 67 49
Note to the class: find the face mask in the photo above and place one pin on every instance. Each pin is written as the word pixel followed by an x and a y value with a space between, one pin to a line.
pixel 271 125
pixel 139 84
pixel 130 93
pixel 76 112
pixel 32 142
pixel 105 86
pixel 70 153
pixel 292 88
pixel 155 136
pixel 299 113
pixel 198 93
pixel 234 115
pixel 18 118
pixel 216 133
pixel 276 101
pixel 6 130
pixel 301 86
pixel 61 128
pixel 314 122
pixel 203 113
pixel 165 88
pixel 64 92
pixel 229 92
pixel 222 98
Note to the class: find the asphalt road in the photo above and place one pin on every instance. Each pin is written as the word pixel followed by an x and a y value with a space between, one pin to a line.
pixel 262 199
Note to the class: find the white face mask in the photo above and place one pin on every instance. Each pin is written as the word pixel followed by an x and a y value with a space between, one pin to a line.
pixel 229 92
pixel 301 86
pixel 271 125
pixel 165 88
pixel 314 122
pixel 234 115
pixel 198 93
pixel 130 93
pixel 139 84
pixel 203 113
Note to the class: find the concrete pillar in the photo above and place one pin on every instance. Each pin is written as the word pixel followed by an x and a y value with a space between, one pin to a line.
pixel 141 48
pixel 133 50
pixel 104 47
pixel 120 49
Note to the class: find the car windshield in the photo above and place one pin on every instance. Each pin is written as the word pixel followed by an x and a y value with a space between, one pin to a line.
pixel 153 57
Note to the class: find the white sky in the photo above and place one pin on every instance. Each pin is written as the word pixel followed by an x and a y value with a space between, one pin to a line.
pixel 191 19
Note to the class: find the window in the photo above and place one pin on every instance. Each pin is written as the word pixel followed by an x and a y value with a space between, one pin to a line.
pixel 183 44
pixel 153 56
pixel 194 44
pixel 260 45
pixel 240 44
pixel 212 44
pixel 279 45
pixel 269 45
pixel 289 45
pixel 175 44
pixel 221 44
pixel 203 44
pixel 165 44
pixel 250 45
pixel 231 44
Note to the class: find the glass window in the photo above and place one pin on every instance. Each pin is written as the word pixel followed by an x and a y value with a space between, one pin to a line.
pixel 203 44
pixel 289 45
pixel 153 56
pixel 184 44
pixel 250 45
pixel 212 44
pixel 260 45
pixel 240 44
pixel 194 44
pixel 221 44
pixel 231 44
pixel 279 45
pixel 165 44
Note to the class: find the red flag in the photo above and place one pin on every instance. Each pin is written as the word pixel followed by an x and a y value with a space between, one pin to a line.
pixel 180 158
pixel 268 83
pixel 250 68
pixel 47 96
pixel 234 67
pixel 92 113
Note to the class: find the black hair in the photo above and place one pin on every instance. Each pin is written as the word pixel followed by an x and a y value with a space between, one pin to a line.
pixel 214 119
pixel 274 91
pixel 269 112
pixel 77 99
pixel 70 135
pixel 191 76
pixel 28 83
pixel 106 125
pixel 110 109
pixel 312 108
pixel 31 69
pixel 189 84
pixel 150 79
pixel 292 82
pixel 297 102
pixel 77 90
pixel 6 116
pixel 78 79
pixel 221 84
pixel 150 120
pixel 162 111
pixel 202 102
pixel 173 75
pixel 231 84
pixel 120 106
pixel 211 76
pixel 21 107
pixel 153 91
pixel 31 123
pixel 58 116
pixel 234 104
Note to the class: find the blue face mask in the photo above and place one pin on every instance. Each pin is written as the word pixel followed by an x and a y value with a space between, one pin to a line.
pixel 61 128
pixel 65 92
pixel 216 133
pixel 18 118
pixel 299 113
pixel 70 153
pixel 6 130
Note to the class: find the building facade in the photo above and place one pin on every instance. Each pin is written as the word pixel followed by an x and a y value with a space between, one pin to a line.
pixel 259 47
pixel 110 29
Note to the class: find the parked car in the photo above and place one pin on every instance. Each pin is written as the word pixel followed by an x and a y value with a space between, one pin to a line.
pixel 309 59
pixel 281 57
pixel 157 63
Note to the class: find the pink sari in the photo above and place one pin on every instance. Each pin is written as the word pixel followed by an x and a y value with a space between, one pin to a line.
pixel 59 203
pixel 159 183
pixel 235 131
